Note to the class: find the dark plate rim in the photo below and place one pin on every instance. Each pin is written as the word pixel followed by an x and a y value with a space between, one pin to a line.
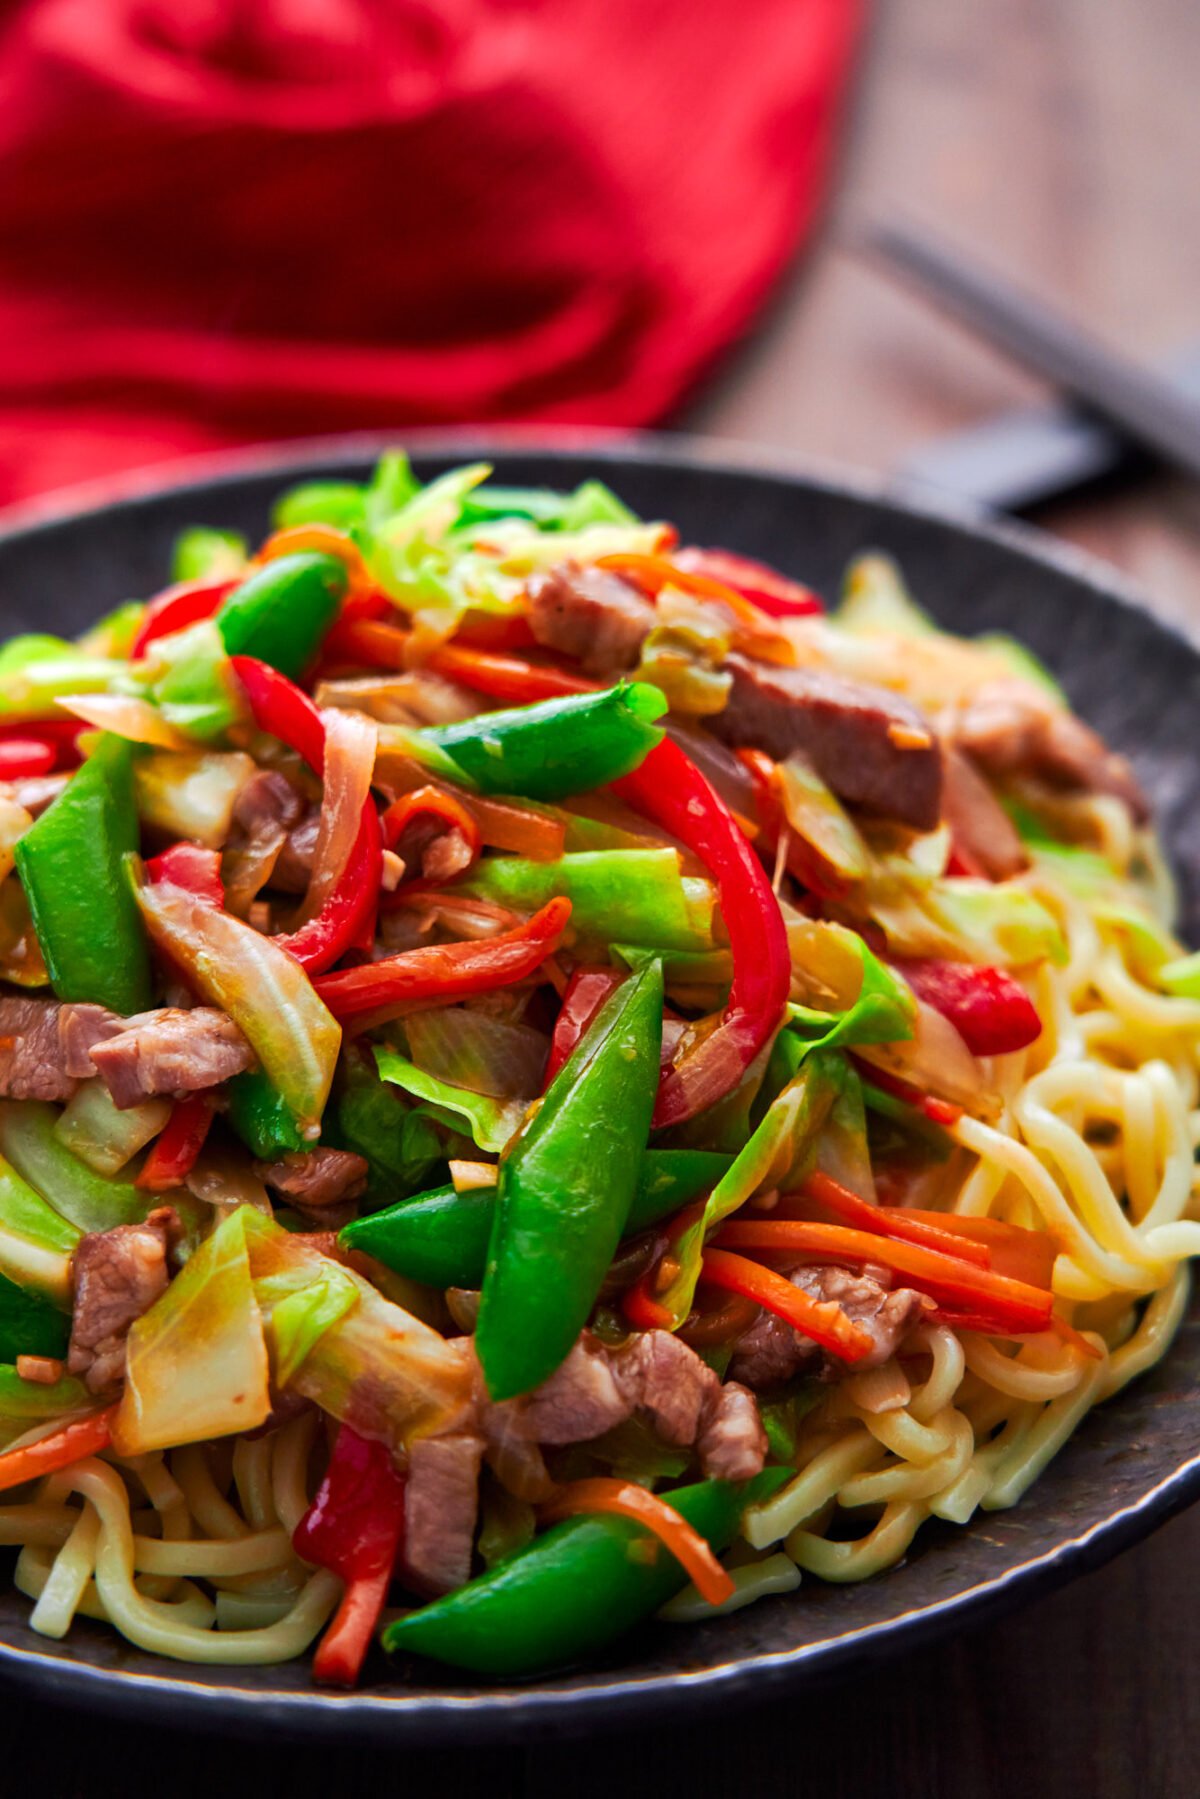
pixel 548 1709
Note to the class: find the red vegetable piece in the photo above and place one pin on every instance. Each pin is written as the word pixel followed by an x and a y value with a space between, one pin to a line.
pixel 178 1145
pixel 190 866
pixel 991 1011
pixel 22 758
pixel 177 608
pixel 770 591
pixel 354 1527
pixel 587 990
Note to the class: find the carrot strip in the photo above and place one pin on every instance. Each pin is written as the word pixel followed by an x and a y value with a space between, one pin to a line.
pixel 81 1437
pixel 891 1221
pixel 685 1543
pixel 955 1284
pixel 822 1320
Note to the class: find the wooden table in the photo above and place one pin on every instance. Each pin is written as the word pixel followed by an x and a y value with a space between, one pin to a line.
pixel 1062 138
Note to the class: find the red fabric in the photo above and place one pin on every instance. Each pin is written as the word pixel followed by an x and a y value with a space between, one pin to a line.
pixel 223 220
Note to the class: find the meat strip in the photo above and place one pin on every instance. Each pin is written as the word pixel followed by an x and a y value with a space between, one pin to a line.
pixel 441 1504
pixel 654 1374
pixel 983 833
pixel 293 868
pixel 870 746
pixel 771 1352
pixel 589 614
pixel 321 1183
pixel 45 1047
pixel 1009 728
pixel 117 1276
pixel 171 1051
pixel 266 809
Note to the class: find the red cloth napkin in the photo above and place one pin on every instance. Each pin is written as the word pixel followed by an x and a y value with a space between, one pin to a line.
pixel 223 220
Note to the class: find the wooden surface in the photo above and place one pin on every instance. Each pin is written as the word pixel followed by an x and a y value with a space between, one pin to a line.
pixel 1062 138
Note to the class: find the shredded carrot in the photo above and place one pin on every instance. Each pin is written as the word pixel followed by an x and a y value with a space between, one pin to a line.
pixel 685 1543
pixel 891 1221
pixel 1009 1304
pixel 759 631
pixel 822 1320
pixel 82 1436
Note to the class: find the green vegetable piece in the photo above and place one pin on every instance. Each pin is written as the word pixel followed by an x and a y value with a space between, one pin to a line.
pixel 337 503
pixel 26 1401
pixel 29 1324
pixel 203 553
pixel 262 1117
pixel 71 866
pixel 401 1144
pixel 300 1319
pixel 579 1586
pixel 441 1238
pixel 556 747
pixel 565 1189
pixel 627 896
pixel 113 634
pixel 491 1122
pixel 281 612
pixel 91 1201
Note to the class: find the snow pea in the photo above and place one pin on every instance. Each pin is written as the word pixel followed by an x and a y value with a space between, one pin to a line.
pixel 441 1237
pixel 281 612
pixel 573 1589
pixel 29 1324
pixel 84 912
pixel 556 747
pixel 564 1190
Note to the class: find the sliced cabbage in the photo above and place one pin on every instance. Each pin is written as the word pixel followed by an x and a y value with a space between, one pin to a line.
pixel 492 1123
pixel 191 794
pixel 263 989
pixel 469 1048
pixel 103 1135
pixel 196 1364
pixel 36 1242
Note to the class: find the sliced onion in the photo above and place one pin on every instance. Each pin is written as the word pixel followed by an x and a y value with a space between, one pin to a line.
pixel 224 1179
pixel 349 765
pixel 469 1049
pixel 416 698
pixel 818 819
pixel 936 1061
pixel 719 766
pixel 136 720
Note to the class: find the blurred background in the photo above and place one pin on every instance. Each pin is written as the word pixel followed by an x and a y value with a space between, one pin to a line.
pixel 224 221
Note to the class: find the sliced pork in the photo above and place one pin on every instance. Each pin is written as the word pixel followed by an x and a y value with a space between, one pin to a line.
pixel 771 1352
pixel 654 1375
pixel 1009 728
pixel 46 1047
pixel 171 1051
pixel 117 1276
pixel 983 834
pixel 321 1183
pixel 265 811
pixel 870 746
pixel 590 615
pixel 441 1503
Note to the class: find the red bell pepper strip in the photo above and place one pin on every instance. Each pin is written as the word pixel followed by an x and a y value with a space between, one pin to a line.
pixel 443 809
pixel 446 971
pixel 1008 1304
pixel 587 990
pixel 191 866
pixel 764 587
pixel 23 758
pixel 82 1436
pixel 178 1145
pixel 991 1011
pixel 59 736
pixel 821 1319
pixel 366 643
pixel 605 1494
pixel 178 607
pixel 670 790
pixel 354 1527
pixel 1023 1255
pixel 347 919
pixel 845 1207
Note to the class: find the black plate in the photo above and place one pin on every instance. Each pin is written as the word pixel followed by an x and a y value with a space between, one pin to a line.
pixel 1132 1463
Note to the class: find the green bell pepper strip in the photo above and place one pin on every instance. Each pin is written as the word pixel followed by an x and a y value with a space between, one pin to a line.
pixel 281 612
pixel 203 553
pixel 556 747
pixel 84 914
pixel 262 1117
pixel 441 1238
pixel 626 896
pixel 29 1324
pixel 337 503
pixel 564 1191
pixel 574 1589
